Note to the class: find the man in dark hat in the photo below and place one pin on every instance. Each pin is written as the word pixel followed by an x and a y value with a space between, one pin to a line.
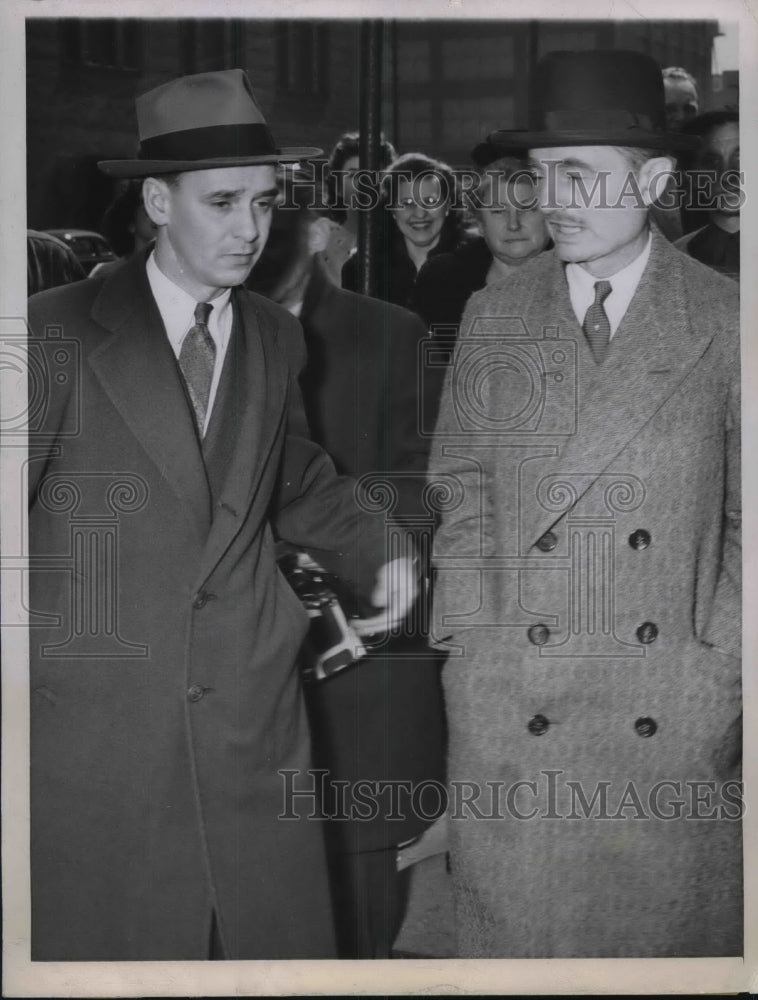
pixel 589 577
pixel 168 737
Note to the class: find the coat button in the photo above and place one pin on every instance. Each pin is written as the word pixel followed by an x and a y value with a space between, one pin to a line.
pixel 548 542
pixel 538 634
pixel 201 599
pixel 645 726
pixel 647 633
pixel 639 539
pixel 538 725
pixel 195 693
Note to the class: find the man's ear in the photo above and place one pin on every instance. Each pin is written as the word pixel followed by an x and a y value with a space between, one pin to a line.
pixel 653 177
pixel 156 197
pixel 319 232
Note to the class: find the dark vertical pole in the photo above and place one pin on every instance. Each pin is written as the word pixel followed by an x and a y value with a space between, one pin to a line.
pixel 370 131
pixel 533 52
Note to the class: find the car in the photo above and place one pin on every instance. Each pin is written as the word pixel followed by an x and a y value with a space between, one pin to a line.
pixel 90 248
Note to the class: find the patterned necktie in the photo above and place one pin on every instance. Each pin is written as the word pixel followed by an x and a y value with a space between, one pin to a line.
pixel 196 360
pixel 596 326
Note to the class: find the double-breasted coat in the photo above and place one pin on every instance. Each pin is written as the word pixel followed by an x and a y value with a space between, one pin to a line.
pixel 589 588
pixel 165 699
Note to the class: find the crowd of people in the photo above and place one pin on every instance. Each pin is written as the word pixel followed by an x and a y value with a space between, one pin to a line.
pixel 438 451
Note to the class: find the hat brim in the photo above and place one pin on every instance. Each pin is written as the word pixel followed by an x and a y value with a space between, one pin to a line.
pixel 508 140
pixel 154 168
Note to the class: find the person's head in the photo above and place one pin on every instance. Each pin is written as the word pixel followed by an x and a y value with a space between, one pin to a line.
pixel 209 166
pixel 507 213
pixel 343 163
pixel 298 232
pixel 422 196
pixel 599 148
pixel 682 102
pixel 126 225
pixel 212 224
pixel 596 200
pixel 719 156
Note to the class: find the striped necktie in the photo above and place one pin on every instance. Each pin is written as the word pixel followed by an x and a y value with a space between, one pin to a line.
pixel 596 326
pixel 196 360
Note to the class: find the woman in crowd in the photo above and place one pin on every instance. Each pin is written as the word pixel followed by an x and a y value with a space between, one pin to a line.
pixel 344 162
pixel 513 231
pixel 424 219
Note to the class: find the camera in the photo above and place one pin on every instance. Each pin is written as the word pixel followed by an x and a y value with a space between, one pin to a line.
pixel 506 381
pixel 331 644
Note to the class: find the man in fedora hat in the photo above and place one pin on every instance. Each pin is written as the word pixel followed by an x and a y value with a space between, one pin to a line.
pixel 167 719
pixel 588 581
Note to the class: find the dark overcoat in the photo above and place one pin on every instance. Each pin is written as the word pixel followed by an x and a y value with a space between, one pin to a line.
pixel 382 721
pixel 589 584
pixel 165 700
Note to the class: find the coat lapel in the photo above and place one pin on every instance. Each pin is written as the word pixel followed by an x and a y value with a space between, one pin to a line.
pixel 651 353
pixel 137 369
pixel 260 413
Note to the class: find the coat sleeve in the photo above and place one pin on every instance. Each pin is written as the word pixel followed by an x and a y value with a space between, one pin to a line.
pixel 723 628
pixel 51 403
pixel 315 508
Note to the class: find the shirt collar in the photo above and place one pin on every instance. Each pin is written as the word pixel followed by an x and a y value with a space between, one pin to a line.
pixel 627 278
pixel 177 308
pixel 623 286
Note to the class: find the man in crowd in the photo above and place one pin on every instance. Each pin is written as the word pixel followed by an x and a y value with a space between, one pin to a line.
pixel 165 696
pixel 717 241
pixel 680 93
pixel 381 721
pixel 589 578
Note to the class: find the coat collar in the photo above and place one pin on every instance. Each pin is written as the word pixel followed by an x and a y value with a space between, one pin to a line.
pixel 653 351
pixel 137 369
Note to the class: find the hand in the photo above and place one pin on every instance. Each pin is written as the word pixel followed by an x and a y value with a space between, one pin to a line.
pixel 395 591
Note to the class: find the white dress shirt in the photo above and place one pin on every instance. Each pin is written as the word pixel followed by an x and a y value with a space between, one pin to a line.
pixel 177 310
pixel 623 286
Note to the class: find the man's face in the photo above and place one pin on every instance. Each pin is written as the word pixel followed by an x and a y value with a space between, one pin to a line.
pixel 720 152
pixel 213 225
pixel 681 103
pixel 512 233
pixel 420 210
pixel 594 203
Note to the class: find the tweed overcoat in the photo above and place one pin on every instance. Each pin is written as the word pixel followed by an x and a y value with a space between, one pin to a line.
pixel 165 699
pixel 589 589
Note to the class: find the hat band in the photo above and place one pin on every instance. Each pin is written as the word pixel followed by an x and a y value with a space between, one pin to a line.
pixel 598 120
pixel 209 143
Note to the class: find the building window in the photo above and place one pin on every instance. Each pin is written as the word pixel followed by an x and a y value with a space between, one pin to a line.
pixel 302 58
pixel 103 44
pixel 208 45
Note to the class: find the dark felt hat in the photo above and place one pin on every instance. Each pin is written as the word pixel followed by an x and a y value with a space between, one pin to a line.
pixel 610 97
pixel 200 122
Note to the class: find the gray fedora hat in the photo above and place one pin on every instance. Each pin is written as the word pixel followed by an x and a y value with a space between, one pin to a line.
pixel 200 122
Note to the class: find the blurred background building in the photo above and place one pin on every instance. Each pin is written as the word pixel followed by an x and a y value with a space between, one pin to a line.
pixel 445 84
